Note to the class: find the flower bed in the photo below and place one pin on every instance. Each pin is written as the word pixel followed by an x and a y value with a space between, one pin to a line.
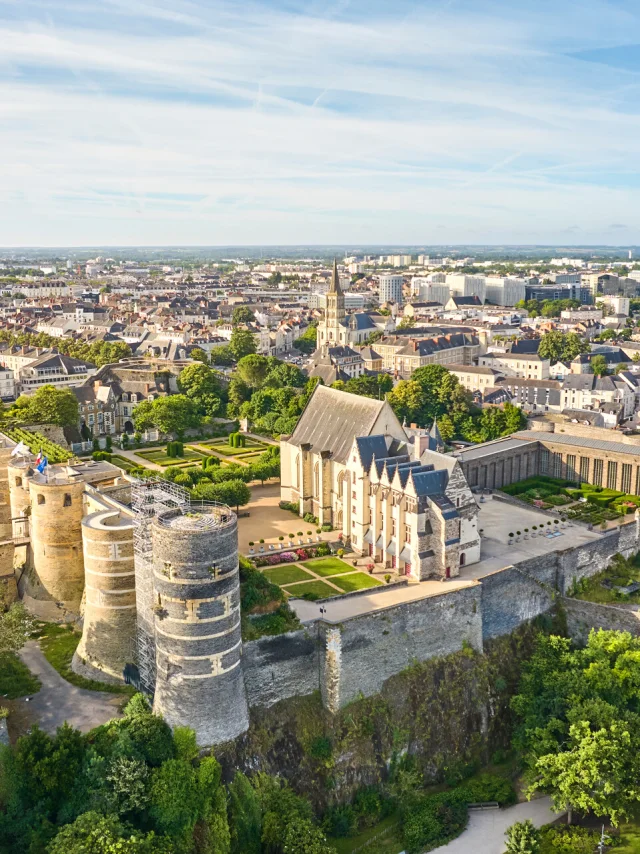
pixel 320 550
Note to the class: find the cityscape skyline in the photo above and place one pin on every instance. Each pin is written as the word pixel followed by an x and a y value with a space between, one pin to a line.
pixel 193 124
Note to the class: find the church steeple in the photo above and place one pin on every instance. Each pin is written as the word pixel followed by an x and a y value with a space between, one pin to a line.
pixel 335 312
pixel 334 287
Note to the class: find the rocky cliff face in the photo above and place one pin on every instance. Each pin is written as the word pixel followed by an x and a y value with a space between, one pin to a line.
pixel 446 712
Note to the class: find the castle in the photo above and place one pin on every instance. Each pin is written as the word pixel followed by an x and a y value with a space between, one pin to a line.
pixel 153 576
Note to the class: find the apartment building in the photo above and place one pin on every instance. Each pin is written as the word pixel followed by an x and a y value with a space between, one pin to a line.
pixel 525 365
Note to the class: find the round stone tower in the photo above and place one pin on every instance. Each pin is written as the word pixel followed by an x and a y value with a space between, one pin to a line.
pixel 56 540
pixel 19 473
pixel 109 631
pixel 197 622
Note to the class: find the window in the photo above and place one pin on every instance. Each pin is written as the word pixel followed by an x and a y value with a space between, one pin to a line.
pixel 67 500
pixel 18 481
pixel 316 479
pixel 612 474
pixel 544 461
pixel 407 533
pixel 626 478
pixel 354 511
pixel 598 467
pixel 353 477
pixel 41 499
pixel 353 495
pixel 393 527
pixel 584 469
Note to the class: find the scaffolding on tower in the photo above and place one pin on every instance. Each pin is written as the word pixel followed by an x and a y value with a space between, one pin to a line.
pixel 149 498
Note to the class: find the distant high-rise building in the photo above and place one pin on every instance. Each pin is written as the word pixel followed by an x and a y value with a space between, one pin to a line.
pixel 467 286
pixel 391 289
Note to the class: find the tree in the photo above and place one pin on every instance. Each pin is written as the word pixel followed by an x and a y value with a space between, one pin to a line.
pixel 597 771
pixel 308 341
pixel 406 323
pixel 261 472
pixel 200 384
pixel 275 278
pixel 522 838
pixel 92 833
pixel 49 405
pixel 598 365
pixel 222 356
pixel 283 375
pixel 199 355
pixel 303 837
pixel 242 343
pixel 242 314
pixel 173 414
pixel 234 493
pixel 560 347
pixel 252 370
pixel 245 817
pixel 16 625
pixel 580 731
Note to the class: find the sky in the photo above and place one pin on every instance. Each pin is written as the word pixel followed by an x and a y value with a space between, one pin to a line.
pixel 204 122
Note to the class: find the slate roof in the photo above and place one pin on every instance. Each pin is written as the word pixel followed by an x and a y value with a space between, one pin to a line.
pixel 580 441
pixel 332 419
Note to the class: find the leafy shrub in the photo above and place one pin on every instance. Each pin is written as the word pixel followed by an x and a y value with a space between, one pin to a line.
pixel 320 747
pixel 489 787
pixel 309 517
pixel 340 821
pixel 568 839
pixel 101 455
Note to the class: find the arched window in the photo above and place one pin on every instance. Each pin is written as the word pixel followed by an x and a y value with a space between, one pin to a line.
pixel 316 479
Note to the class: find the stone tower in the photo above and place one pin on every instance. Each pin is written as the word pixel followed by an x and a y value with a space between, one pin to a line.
pixel 109 631
pixel 331 332
pixel 56 540
pixel 20 472
pixel 8 586
pixel 199 681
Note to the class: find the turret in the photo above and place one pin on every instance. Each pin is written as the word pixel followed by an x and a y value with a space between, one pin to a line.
pixel 199 681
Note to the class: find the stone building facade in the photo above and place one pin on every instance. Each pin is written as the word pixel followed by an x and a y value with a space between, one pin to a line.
pixel 614 465
pixel 351 464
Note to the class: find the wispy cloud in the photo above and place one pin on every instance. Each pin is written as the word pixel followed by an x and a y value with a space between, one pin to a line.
pixel 205 121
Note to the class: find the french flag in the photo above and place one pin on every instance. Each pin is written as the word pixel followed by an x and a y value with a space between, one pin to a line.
pixel 38 458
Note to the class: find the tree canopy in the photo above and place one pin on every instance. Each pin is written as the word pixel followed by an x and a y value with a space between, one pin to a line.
pixel 561 347
pixel 48 405
pixel 201 385
pixel 173 414
pixel 242 314
pixel 579 728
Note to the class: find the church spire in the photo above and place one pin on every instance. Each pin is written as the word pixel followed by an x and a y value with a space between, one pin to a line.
pixel 334 287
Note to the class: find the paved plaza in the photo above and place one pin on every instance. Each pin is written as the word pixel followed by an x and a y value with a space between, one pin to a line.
pixel 498 519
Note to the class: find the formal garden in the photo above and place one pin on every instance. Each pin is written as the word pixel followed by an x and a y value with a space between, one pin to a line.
pixel 319 578
pixel 584 502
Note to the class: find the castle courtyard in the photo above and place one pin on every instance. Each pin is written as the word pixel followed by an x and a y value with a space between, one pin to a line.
pixel 497 519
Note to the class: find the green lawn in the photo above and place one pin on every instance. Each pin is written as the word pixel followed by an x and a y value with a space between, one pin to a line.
pixel 325 566
pixel 124 464
pixel 630 836
pixel 58 643
pixel 317 589
pixel 286 574
pixel 16 680
pixel 161 458
pixel 355 581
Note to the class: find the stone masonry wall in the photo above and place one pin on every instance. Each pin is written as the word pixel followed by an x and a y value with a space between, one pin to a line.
pixel 584 616
pixel 373 647
pixel 280 667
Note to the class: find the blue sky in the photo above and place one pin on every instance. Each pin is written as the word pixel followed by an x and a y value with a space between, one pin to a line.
pixel 208 122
